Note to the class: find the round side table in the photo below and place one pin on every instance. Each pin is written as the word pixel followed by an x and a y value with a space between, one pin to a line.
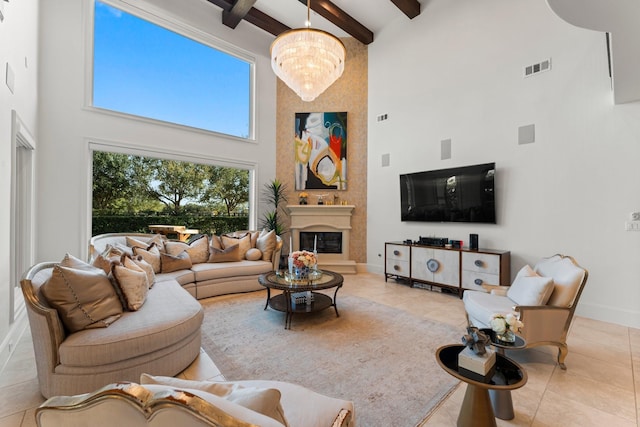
pixel 477 409
pixel 501 399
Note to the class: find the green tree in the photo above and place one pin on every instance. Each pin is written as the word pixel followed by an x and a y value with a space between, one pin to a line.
pixel 111 179
pixel 228 186
pixel 176 182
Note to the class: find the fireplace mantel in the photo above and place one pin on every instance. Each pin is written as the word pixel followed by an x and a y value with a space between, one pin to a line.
pixel 323 218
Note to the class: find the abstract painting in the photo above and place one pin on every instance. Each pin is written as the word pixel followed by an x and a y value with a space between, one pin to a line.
pixel 321 151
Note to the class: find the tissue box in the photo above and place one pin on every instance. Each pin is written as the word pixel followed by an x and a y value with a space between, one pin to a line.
pixel 477 363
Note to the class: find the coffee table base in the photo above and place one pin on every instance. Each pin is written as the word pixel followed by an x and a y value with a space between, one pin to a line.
pixel 282 302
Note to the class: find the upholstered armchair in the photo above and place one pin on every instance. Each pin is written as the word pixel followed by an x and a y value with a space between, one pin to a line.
pixel 545 297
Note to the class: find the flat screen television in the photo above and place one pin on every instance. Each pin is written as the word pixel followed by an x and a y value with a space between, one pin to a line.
pixel 463 194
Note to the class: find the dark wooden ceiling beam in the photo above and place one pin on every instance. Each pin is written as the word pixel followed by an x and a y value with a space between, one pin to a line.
pixel 255 17
pixel 411 8
pixel 342 19
pixel 232 17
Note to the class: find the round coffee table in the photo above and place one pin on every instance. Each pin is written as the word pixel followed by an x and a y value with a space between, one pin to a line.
pixel 501 399
pixel 313 301
pixel 477 410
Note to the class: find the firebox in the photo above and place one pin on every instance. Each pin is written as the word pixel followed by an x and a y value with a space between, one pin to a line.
pixel 326 242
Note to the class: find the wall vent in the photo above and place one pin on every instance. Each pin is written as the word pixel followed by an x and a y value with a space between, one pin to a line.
pixel 532 69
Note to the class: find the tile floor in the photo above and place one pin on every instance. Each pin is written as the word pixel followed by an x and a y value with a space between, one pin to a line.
pixel 601 386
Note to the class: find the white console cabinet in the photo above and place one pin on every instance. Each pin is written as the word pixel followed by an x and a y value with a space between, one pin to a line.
pixel 455 269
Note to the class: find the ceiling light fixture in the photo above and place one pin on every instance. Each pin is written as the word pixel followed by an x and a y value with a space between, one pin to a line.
pixel 307 60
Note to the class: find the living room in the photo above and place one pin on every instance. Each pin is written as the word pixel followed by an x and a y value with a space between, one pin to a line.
pixel 458 75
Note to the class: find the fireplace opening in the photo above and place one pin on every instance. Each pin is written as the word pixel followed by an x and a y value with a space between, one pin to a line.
pixel 326 242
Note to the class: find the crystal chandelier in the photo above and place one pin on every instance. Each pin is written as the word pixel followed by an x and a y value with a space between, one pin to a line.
pixel 307 60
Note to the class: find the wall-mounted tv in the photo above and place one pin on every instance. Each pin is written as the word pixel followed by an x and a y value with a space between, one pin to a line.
pixel 463 194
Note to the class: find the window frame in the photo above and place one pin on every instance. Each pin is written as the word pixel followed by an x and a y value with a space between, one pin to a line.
pixel 169 22
pixel 97 144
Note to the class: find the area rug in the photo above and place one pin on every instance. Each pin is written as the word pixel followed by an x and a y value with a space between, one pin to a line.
pixel 381 358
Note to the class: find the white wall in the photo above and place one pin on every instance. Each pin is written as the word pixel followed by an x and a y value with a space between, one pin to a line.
pixel 18 48
pixel 459 75
pixel 66 127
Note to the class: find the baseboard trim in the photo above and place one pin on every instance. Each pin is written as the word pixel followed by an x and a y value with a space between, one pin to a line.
pixel 9 343
pixel 605 313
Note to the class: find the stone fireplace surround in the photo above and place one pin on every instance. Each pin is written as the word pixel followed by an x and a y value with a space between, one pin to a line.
pixel 324 218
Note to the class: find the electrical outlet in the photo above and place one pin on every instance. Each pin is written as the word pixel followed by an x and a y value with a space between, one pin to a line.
pixel 632 225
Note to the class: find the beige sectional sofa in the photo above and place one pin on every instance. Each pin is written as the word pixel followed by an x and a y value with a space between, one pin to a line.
pixel 161 335
pixel 207 279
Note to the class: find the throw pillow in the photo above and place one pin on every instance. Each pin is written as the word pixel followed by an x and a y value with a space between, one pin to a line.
pixel 132 282
pixel 253 254
pixel 151 255
pixel 73 262
pixel 215 243
pixel 263 400
pixel 107 258
pixel 267 244
pixel 84 298
pixel 198 249
pixel 147 268
pixel 528 288
pixel 244 244
pixel 170 263
pixel 224 255
pixel 156 239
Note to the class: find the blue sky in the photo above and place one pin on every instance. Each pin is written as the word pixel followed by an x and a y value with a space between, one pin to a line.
pixel 145 70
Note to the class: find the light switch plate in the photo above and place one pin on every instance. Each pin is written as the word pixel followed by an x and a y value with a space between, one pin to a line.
pixel 10 79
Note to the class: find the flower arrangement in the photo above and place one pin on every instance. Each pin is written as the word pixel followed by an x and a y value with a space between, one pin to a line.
pixel 501 323
pixel 303 195
pixel 302 198
pixel 302 259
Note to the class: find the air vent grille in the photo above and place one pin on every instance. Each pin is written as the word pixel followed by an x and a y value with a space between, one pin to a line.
pixel 537 68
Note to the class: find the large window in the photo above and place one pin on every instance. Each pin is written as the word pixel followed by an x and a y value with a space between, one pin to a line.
pixel 143 69
pixel 132 192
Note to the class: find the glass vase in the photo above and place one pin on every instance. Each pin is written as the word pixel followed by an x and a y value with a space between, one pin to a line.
pixel 507 337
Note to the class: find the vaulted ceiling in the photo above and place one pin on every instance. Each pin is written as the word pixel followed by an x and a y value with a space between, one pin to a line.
pixel 277 16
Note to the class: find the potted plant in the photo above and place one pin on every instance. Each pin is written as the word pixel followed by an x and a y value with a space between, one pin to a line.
pixel 275 194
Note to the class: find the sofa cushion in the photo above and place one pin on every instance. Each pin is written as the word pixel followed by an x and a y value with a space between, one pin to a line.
pixel 168 315
pixel 243 243
pixel 132 282
pixel 210 271
pixel 302 406
pixel 147 268
pixel 198 249
pixel 228 254
pixel 151 255
pixel 183 277
pixel 83 297
pixel 480 306
pixel 529 288
pixel 253 254
pixel 145 243
pixel 263 400
pixel 238 412
pixel 267 244
pixel 567 278
pixel 169 263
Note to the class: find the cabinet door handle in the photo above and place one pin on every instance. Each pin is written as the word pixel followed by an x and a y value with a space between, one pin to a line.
pixel 396 267
pixel 479 263
pixel 478 282
pixel 433 265
pixel 396 252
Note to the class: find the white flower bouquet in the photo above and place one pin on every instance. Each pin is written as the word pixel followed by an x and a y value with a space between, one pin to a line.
pixel 501 323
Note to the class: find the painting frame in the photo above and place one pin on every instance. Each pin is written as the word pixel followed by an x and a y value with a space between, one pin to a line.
pixel 320 147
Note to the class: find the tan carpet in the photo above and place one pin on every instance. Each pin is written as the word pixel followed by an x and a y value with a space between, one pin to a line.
pixel 379 357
